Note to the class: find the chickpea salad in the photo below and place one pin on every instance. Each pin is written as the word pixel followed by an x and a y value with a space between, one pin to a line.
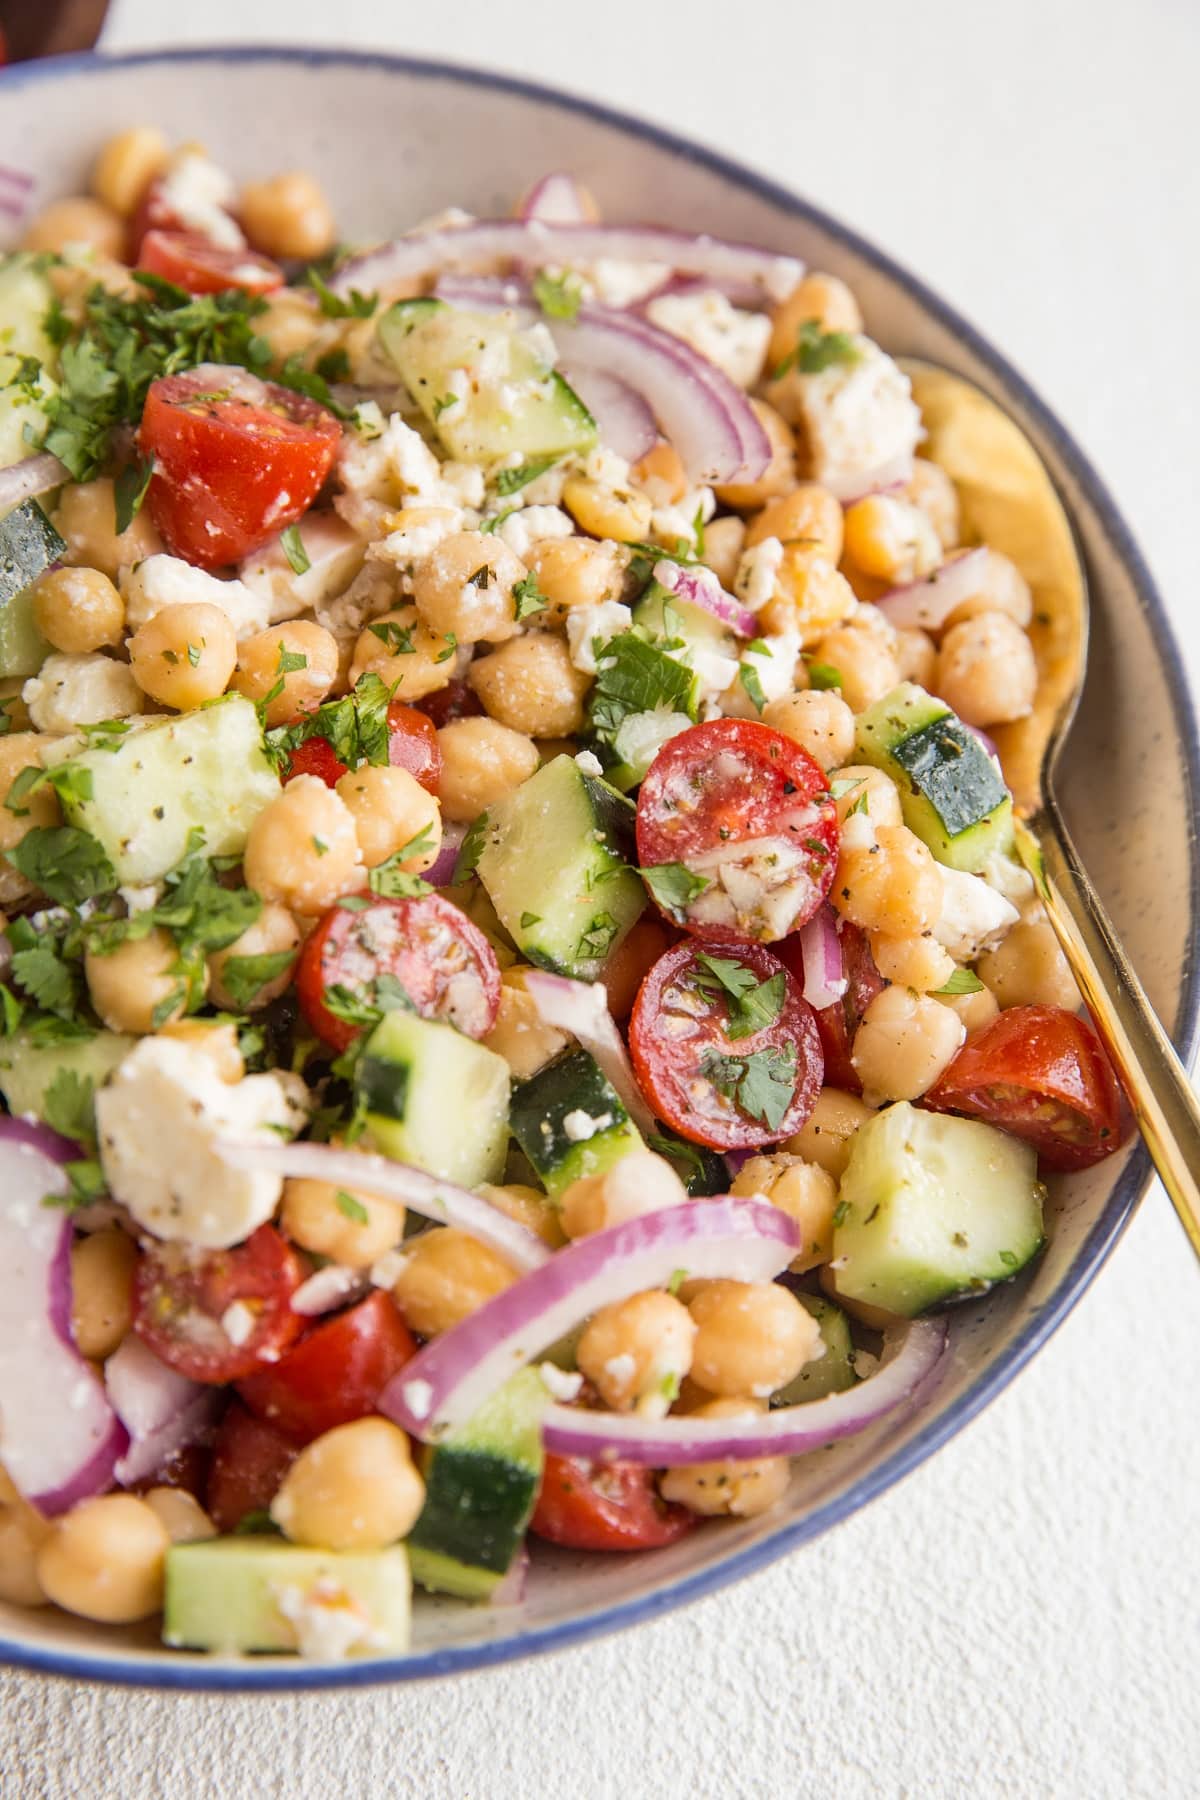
pixel 519 1006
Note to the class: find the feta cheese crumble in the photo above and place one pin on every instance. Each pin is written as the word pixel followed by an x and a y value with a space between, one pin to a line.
pixel 70 691
pixel 162 580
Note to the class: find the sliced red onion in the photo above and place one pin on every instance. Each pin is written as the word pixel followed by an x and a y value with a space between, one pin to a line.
pixel 700 587
pixel 930 602
pixel 426 1194
pixel 625 422
pixel 821 957
pixel 60 1437
pixel 34 475
pixel 911 1357
pixel 163 1412
pixel 440 1389
pixel 440 873
pixel 18 178
pixel 739 293
pixel 537 244
pixel 581 1009
pixel 895 473
pixel 555 200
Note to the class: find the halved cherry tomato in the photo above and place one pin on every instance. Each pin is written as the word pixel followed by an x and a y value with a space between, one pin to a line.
pixel 838 1023
pixel 194 262
pixel 235 460
pixel 413 744
pixel 180 1302
pixel 604 1506
pixel 746 817
pixel 315 757
pixel 335 1374
pixel 153 213
pixel 443 962
pixel 709 1084
pixel 1039 1073
pixel 455 701
pixel 250 1460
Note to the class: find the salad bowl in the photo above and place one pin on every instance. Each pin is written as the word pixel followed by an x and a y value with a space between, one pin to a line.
pixel 394 140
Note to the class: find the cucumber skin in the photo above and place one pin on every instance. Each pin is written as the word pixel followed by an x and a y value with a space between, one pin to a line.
pixel 831 1373
pixel 539 1105
pixel 411 1072
pixel 28 545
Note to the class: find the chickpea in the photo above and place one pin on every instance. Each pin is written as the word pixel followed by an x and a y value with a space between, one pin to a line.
pixel 353 1488
pixel 779 476
pixel 405 654
pixel 482 762
pixel 810 596
pixel 637 1351
pixel 292 322
pixel 272 933
pixel 302 848
pixel 23 750
pixel 740 1489
pixel 260 666
pixel 630 962
pixel 465 586
pixel 532 686
pixel 640 1183
pixel 102 1268
pixel 181 1514
pixel 661 474
pixel 826 1135
pixel 78 610
pixel 447 1276
pixel 184 655
pixel 861 781
pixel 823 298
pixel 288 216
pixel 919 963
pixel 604 512
pixel 140 986
pixel 986 670
pixel 520 1035
pixel 808 517
pixel 805 1191
pixel 392 809
pixel 752 1338
pixel 916 656
pixel 215 1038
pixel 724 541
pixel 12 705
pixel 529 1207
pixel 86 517
pixel 23 1531
pixel 975 1010
pixel 891 885
pixel 931 489
pixel 575 571
pixel 891 539
pixel 76 222
pixel 104 1560
pixel 1001 589
pixel 818 720
pixel 127 165
pixel 353 1229
pixel 903 1043
pixel 865 663
pixel 1027 968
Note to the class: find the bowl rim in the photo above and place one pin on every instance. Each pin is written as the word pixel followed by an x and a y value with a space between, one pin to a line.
pixel 246 1676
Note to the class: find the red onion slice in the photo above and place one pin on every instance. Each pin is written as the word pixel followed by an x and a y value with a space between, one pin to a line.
pixel 163 1412
pixel 440 873
pixel 625 422
pixel 59 1437
pixel 581 1009
pixel 555 200
pixel 929 603
pixel 821 958
pixel 440 1389
pixel 426 1194
pixel 895 473
pixel 35 475
pixel 911 1357
pixel 18 178
pixel 700 587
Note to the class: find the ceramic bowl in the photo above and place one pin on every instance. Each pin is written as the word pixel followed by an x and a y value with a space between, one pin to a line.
pixel 394 140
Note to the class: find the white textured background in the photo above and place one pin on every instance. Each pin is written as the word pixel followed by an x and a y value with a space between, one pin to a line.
pixel 1021 1618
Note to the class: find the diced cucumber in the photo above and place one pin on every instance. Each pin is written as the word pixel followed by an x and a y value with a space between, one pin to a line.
pixel 831 1372
pixel 240 1594
pixel 554 861
pixel 933 1207
pixel 480 1489
pixel 701 1171
pixel 24 302
pixel 203 771
pixel 28 545
pixel 569 1121
pixel 640 736
pixel 482 383
pixel 666 616
pixel 435 1098
pixel 23 649
pixel 951 792
pixel 27 1070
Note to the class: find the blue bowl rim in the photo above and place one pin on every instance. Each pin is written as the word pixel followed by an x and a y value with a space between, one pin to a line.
pixel 246 1676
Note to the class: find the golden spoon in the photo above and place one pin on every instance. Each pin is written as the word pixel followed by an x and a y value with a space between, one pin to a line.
pixel 1010 501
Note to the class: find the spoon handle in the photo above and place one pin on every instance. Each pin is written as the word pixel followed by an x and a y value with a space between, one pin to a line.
pixel 1155 1081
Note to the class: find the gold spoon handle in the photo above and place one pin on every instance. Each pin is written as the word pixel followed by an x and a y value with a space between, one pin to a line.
pixel 1154 1079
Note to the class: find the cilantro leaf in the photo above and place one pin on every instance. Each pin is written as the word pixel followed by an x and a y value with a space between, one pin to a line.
pixel 963 981
pixel 511 481
pixel 749 677
pixel 674 886
pixel 244 977
pixel 67 1106
pixel 355 726
pixel 633 676
pixel 357 306
pixel 87 1185
pixel 51 983
pixel 11 1011
pixel 529 597
pixel 393 881
pixel 818 349
pixel 824 675
pixel 753 1004
pixel 558 296
pixel 762 1084
pixel 292 545
pixel 64 862
pixel 471 849
pixel 129 490
pixel 351 1208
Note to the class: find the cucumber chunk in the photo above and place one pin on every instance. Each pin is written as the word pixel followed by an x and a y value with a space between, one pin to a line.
pixel 27 1070
pixel 833 1371
pixel 666 616
pixel 933 1207
pixel 28 545
pixel 483 383
pixel 554 863
pixel 236 1594
pixel 203 771
pixel 25 297
pixel 435 1098
pixel 552 1111
pixel 951 792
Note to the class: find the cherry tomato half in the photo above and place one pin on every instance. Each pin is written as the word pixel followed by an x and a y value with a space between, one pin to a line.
pixel 455 701
pixel 315 757
pixel 335 1374
pixel 710 1084
pixel 236 460
pixel 443 962
pixel 194 262
pixel 250 1460
pixel 604 1506
pixel 745 819
pixel 413 744
pixel 1040 1073
pixel 180 1302
pixel 838 1023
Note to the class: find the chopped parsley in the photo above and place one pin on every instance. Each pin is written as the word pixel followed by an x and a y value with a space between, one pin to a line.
pixel 763 1083
pixel 511 481
pixel 292 545
pixel 471 849
pixel 753 1004
pixel 351 1209
pixel 559 296
pixel 67 864
pixel 818 349
pixel 963 981
pixel 333 306
pixel 598 937
pixel 635 676
pixel 244 977
pixel 398 639
pixel 129 490
pixel 528 597
pixel 749 677
pixel 824 675
pixel 68 1106
pixel 674 886
pixel 355 726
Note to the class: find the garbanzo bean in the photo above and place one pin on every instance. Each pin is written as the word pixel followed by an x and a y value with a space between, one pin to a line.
pixel 181 1514
pixel 803 1190
pixel 353 1488
pixel 640 1183
pixel 482 761
pixel 916 656
pixel 76 221
pixel 22 1534
pixel 919 963
pixel 741 1489
pixel 352 1228
pixel 1027 968
pixel 575 571
pixel 903 1043
pixel 104 1560
pixel 102 1266
pixel 818 720
pixel 808 518
pixel 823 298
pixel 447 1276
pixel 810 596
pixel 890 885
pixel 637 1351
pixel 531 685
pixel 302 849
pixel 392 809
pixel 1000 588
pixel 127 165
pixel 78 610
pixel 859 781
pixel 86 518
pixel 272 934
pixel 986 670
pixel 825 1136
pixel 892 539
pixel 184 655
pixel 619 513
pixel 287 215
pixel 292 322
pixel 864 661
pixel 264 660
pixel 139 987
pixel 466 587
pixel 779 476
pixel 932 490
pixel 661 474
pixel 405 654
pixel 520 1035
pixel 724 541
pixel 752 1338
pixel 23 750
pixel 530 1207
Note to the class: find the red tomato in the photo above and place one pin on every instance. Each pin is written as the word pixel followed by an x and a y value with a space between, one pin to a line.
pixel 604 1506
pixel 193 262
pixel 445 965
pixel 729 1092
pixel 250 1460
pixel 236 460
pixel 838 1023
pixel 179 1303
pixel 335 1374
pixel 413 744
pixel 1040 1073
pixel 736 795
pixel 152 214
pixel 455 701
pixel 315 757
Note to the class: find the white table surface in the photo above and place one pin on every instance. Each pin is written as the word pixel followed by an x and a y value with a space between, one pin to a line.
pixel 1020 1618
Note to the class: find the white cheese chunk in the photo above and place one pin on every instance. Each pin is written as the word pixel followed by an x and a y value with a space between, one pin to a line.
pixel 974 917
pixel 857 416
pixel 335 555
pixel 534 525
pixel 69 691
pixel 735 341
pixel 202 197
pixel 588 626
pixel 163 580
pixel 757 570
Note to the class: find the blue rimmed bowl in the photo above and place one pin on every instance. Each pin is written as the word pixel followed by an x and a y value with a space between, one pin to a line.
pixel 393 140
